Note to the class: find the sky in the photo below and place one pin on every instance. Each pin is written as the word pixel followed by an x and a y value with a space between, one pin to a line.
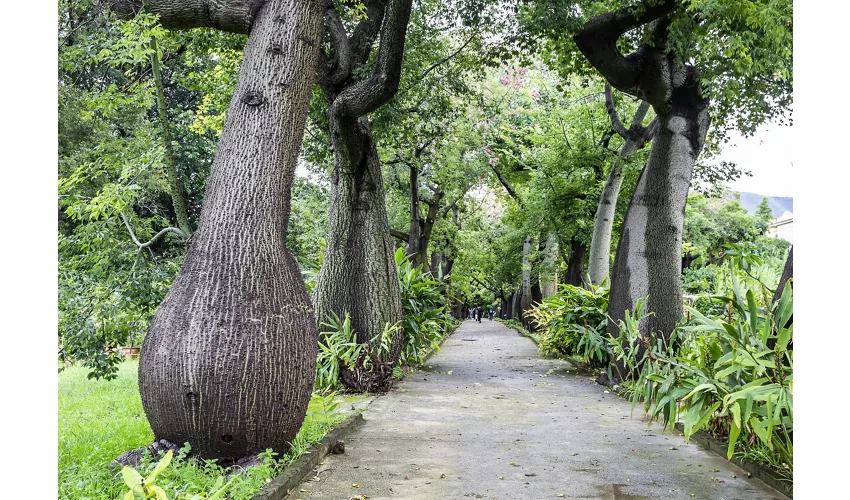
pixel 768 155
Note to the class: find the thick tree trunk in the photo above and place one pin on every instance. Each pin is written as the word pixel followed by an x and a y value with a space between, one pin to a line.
pixel 548 272
pixel 575 268
pixel 229 360
pixel 648 260
pixel 358 275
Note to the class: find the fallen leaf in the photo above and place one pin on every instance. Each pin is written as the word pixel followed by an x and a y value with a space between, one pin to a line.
pixel 356 485
pixel 513 464
pixel 449 372
pixel 560 495
pixel 442 476
pixel 531 474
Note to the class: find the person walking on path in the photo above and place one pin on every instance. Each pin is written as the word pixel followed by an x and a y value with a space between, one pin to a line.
pixel 479 312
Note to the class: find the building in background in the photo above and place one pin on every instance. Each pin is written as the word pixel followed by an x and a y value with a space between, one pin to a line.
pixel 783 227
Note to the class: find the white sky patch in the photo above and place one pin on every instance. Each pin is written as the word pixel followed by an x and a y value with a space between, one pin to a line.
pixel 768 154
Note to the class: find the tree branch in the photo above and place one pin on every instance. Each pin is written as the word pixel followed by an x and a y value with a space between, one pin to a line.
pixel 612 112
pixel 441 62
pixel 370 94
pixel 340 67
pixel 400 235
pixel 597 40
pixel 153 240
pixel 235 16
pixel 506 184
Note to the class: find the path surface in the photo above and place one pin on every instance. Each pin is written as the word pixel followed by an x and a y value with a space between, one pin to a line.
pixel 490 418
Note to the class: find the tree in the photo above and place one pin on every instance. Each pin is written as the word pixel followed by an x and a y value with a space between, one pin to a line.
pixel 229 359
pixel 764 216
pixel 358 275
pixel 635 137
pixel 687 60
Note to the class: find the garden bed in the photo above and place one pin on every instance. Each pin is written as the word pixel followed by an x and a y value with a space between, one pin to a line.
pixel 99 420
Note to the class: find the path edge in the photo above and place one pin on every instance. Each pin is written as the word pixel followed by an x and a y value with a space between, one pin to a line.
pixel 292 476
pixel 765 474
pixel 706 442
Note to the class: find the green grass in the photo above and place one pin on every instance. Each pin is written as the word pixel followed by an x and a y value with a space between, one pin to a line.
pixel 99 420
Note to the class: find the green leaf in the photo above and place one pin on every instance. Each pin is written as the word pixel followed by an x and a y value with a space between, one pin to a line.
pixel 131 476
pixel 160 467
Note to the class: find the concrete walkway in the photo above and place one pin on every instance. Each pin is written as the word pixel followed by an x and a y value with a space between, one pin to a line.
pixel 490 418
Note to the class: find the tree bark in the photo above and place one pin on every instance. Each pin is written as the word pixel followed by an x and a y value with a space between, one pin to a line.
pixel 575 268
pixel 229 359
pixel 358 276
pixel 648 261
pixel 787 273
pixel 548 272
pixel 235 16
pixel 635 137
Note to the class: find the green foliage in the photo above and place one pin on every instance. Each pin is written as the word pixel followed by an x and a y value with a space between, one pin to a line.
pixel 733 376
pixel 98 420
pixel 573 322
pixel 425 311
pixel 742 50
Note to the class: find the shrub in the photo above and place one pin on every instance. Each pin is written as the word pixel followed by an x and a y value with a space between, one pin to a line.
pixel 733 376
pixel 426 311
pixel 573 322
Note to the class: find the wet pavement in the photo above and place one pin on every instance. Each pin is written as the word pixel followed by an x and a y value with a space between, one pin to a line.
pixel 489 417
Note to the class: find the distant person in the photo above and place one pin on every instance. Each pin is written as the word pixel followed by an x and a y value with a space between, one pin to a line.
pixel 492 312
pixel 480 311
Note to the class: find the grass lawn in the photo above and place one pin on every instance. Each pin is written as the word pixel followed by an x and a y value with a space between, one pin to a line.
pixel 99 420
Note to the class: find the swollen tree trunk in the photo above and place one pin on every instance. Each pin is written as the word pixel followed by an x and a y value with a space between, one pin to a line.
pixel 548 272
pixel 358 276
pixel 635 137
pixel 648 260
pixel 229 359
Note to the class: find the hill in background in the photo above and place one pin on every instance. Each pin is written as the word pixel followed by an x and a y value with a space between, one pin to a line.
pixel 750 201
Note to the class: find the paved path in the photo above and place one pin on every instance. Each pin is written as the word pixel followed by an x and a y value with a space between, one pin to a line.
pixel 490 418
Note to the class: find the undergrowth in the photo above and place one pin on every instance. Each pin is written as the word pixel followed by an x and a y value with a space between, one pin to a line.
pixel 99 420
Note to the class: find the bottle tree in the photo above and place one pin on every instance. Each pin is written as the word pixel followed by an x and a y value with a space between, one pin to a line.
pixel 358 275
pixel 695 62
pixel 229 359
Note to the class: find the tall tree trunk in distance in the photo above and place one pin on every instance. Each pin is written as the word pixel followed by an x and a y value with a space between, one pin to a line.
pixel 174 184
pixel 575 267
pixel 525 302
pixel 548 271
pixel 635 137
pixel 229 359
pixel 415 216
pixel 648 259
pixel 358 276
